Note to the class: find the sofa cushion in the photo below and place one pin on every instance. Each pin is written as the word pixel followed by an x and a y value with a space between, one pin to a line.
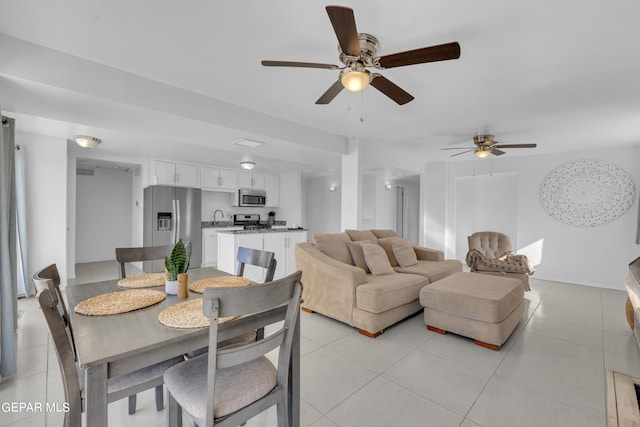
pixel 355 248
pixel 381 234
pixel 334 245
pixel 359 235
pixel 404 253
pixel 387 245
pixel 376 259
pixel 433 270
pixel 382 293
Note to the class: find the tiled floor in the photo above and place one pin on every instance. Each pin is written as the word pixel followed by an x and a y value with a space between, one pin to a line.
pixel 550 373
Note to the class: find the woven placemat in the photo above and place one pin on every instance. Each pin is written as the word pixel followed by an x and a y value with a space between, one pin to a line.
pixel 188 314
pixel 119 302
pixel 143 281
pixel 218 282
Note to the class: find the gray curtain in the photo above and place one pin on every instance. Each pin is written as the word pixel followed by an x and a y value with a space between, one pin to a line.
pixel 25 285
pixel 8 260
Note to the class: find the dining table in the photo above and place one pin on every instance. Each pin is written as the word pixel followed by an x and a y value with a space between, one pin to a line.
pixel 111 345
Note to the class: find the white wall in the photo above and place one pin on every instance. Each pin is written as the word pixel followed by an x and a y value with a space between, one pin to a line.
pixel 46 187
pixel 596 256
pixel 412 204
pixel 103 214
pixel 291 199
pixel 322 206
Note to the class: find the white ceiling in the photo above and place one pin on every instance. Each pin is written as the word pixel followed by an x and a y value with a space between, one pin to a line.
pixel 150 74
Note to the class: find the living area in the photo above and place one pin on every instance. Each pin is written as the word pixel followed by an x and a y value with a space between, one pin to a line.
pixel 364 163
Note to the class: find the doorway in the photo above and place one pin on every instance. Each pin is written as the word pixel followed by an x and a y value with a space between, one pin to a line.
pixel 401 211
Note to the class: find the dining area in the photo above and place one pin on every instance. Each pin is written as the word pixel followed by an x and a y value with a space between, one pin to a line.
pixel 117 338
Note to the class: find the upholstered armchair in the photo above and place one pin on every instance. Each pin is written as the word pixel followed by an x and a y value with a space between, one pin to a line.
pixel 491 253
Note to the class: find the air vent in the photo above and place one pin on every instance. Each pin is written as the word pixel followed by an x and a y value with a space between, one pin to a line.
pixel 88 172
pixel 248 143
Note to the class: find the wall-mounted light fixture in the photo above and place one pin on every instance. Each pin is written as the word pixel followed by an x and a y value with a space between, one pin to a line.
pixel 333 187
pixel 87 141
pixel 387 186
pixel 248 165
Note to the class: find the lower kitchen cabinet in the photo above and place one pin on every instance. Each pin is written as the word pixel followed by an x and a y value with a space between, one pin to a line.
pixel 282 244
pixel 210 245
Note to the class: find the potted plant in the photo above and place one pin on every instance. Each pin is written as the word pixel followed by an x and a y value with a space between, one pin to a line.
pixel 177 264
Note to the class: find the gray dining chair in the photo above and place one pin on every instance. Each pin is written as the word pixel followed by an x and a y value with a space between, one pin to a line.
pixel 257 257
pixel 142 253
pixel 127 385
pixel 232 385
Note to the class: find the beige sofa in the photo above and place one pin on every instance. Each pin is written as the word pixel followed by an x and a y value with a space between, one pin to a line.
pixel 340 286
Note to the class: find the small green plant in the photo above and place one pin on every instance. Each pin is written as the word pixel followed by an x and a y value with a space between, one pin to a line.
pixel 178 261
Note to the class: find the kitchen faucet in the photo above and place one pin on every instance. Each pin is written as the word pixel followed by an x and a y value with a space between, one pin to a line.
pixel 214 215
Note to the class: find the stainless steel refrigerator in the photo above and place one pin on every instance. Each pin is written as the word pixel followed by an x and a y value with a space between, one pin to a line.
pixel 170 214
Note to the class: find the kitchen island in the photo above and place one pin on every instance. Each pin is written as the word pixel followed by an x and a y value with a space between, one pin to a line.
pixel 280 241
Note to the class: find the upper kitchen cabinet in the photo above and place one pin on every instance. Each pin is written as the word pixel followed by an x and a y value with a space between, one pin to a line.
pixel 218 179
pixel 251 180
pixel 272 187
pixel 179 174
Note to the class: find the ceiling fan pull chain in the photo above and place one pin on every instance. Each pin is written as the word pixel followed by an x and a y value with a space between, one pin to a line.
pixel 361 107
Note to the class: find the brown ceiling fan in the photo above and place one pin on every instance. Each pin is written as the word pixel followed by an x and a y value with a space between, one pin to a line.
pixel 359 51
pixel 485 145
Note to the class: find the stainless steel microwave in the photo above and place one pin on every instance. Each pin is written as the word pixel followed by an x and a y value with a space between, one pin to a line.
pixel 249 197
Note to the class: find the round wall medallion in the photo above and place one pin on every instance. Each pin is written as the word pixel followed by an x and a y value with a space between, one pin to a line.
pixel 587 193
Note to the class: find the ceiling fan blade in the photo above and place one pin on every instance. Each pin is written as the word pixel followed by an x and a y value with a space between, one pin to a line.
pixel 331 93
pixel 457 154
pixel 441 52
pixel 390 89
pixel 515 146
pixel 459 148
pixel 344 25
pixel 299 64
pixel 497 152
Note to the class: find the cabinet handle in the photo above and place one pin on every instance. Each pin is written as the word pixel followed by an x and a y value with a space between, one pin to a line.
pixel 219 181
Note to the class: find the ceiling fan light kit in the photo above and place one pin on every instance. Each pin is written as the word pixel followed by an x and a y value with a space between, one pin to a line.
pixel 486 145
pixel 248 165
pixel 357 51
pixel 355 81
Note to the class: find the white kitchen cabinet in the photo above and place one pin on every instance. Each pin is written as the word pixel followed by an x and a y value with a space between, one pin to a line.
pixel 292 237
pixel 272 187
pixel 282 244
pixel 210 245
pixel 251 180
pixel 179 174
pixel 228 244
pixel 218 179
pixel 276 243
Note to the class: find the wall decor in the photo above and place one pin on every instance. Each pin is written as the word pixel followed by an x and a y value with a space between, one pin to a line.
pixel 587 193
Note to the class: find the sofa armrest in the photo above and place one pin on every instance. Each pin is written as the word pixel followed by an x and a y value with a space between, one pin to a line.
pixel 329 286
pixel 427 254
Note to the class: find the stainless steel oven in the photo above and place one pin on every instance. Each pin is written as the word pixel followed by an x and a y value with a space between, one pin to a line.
pixel 249 197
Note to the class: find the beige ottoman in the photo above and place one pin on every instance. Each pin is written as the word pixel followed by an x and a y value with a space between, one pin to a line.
pixel 479 306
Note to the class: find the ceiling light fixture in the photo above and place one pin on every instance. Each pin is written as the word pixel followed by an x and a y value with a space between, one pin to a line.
pixel 87 141
pixel 356 79
pixel 248 165
pixel 482 152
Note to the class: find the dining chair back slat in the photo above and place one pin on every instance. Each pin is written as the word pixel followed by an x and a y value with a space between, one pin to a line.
pixel 259 258
pixel 142 253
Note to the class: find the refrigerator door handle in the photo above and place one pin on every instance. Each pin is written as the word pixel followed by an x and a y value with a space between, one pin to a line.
pixel 175 222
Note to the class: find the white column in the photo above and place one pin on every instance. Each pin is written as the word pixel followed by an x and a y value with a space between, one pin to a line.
pixel 351 186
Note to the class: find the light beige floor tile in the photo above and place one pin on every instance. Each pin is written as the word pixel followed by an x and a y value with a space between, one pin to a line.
pixel 505 405
pixel 327 379
pixel 32 361
pixel 382 403
pixel 614 299
pixel 627 363
pixel 28 420
pixel 464 352
pixel 324 422
pixel 377 354
pixel 321 329
pixel 570 316
pixel 543 323
pixel 411 331
pixel 27 389
pixel 621 343
pixel 448 384
pixel 578 389
pixel 576 297
pixel 564 353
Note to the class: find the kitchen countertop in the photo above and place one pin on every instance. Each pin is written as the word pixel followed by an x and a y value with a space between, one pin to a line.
pixel 228 224
pixel 264 230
